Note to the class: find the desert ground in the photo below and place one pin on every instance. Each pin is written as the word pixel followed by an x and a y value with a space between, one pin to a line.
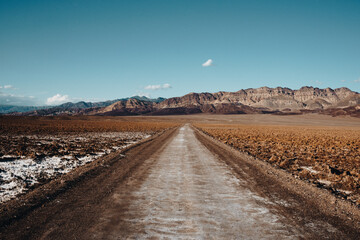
pixel 188 176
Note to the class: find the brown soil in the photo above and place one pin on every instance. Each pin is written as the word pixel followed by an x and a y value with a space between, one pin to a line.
pixel 76 144
pixel 78 124
pixel 327 156
pixel 65 207
pixel 306 203
pixel 99 198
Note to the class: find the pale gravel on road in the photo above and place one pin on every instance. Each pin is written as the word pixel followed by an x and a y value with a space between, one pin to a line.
pixel 189 194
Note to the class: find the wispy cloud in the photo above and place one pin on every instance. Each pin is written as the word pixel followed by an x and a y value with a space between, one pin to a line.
pixel 18 100
pixel 208 63
pixel 7 87
pixel 158 87
pixel 357 80
pixel 142 94
pixel 15 99
pixel 57 99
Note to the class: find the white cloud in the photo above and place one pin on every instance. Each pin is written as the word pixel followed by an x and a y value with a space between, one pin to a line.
pixel 357 80
pixel 19 100
pixel 142 94
pixel 6 87
pixel 166 85
pixel 208 63
pixel 57 99
pixel 16 99
pixel 157 87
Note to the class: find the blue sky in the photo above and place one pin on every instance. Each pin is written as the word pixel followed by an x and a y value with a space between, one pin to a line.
pixel 56 51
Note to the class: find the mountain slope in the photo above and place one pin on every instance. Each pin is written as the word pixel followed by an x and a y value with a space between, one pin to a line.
pixel 79 108
pixel 271 98
pixel 10 108
pixel 260 100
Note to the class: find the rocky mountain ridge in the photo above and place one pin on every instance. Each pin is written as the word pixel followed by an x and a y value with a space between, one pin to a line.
pixel 253 100
pixel 272 98
pixel 69 108
pixel 259 100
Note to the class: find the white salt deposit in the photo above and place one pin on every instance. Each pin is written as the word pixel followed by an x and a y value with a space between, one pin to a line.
pixel 19 173
pixel 310 169
pixel 325 182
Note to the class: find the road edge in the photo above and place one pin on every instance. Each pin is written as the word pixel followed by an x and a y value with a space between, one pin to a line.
pixel 325 202
pixel 25 203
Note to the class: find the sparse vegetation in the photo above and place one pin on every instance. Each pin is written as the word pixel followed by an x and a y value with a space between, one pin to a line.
pixel 326 156
pixel 68 124
pixel 34 150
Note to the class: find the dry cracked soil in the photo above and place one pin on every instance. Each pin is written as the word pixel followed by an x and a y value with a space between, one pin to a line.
pixel 184 185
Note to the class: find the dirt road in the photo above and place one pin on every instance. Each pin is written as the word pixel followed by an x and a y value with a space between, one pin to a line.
pixel 175 187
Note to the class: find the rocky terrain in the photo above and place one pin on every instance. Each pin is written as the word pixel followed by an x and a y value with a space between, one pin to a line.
pixel 69 108
pixel 12 108
pixel 341 101
pixel 264 98
pixel 353 111
pixel 260 100
pixel 326 156
pixel 181 183
pixel 34 150
pixel 29 160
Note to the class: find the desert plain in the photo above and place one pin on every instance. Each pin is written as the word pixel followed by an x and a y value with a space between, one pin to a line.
pixel 191 176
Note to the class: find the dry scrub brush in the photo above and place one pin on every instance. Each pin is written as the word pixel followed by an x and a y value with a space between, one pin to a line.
pixel 39 125
pixel 327 156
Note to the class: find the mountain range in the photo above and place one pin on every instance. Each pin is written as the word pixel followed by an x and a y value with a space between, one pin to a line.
pixel 69 106
pixel 339 101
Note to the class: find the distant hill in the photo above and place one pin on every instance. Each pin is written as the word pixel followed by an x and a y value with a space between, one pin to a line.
pixel 11 108
pixel 69 108
pixel 271 98
pixel 260 100
pixel 82 104
pixel 246 101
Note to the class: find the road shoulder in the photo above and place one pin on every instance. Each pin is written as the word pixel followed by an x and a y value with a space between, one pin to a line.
pixel 27 215
pixel 296 197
